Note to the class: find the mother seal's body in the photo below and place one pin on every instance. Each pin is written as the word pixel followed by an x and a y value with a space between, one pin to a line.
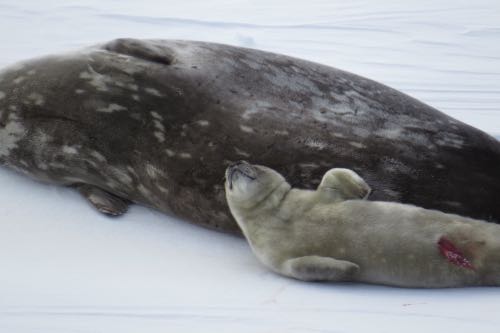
pixel 157 122
pixel 330 234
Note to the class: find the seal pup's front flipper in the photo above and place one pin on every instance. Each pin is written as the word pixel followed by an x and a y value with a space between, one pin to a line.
pixel 105 202
pixel 142 49
pixel 342 184
pixel 316 268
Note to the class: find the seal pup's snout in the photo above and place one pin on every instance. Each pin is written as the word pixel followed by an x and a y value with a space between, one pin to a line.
pixel 238 168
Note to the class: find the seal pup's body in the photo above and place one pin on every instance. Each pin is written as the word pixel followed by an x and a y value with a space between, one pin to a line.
pixel 332 234
pixel 156 122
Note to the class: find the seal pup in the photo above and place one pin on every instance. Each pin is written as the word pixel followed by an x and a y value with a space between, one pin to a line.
pixel 156 122
pixel 333 234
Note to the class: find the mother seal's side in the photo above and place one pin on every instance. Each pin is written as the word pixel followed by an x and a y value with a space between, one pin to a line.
pixel 156 122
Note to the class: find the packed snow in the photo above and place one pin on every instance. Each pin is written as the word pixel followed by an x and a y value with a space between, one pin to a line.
pixel 65 268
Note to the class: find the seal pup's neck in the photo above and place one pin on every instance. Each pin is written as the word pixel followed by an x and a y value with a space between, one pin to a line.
pixel 249 217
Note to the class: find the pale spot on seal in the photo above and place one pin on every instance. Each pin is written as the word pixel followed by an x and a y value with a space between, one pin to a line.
pixel 153 171
pixel 36 98
pixel 98 156
pixel 19 80
pixel 357 144
pixel 342 250
pixel 294 83
pixel 170 153
pixel 316 144
pixel 391 193
pixel 156 115
pixel 241 152
pixel 133 86
pixel 185 155
pixel 179 91
pixel 135 97
pixel 439 166
pixel 153 91
pixel 2 95
pixel 69 150
pixel 10 135
pixel 97 80
pixel 122 176
pixel 256 108
pixel 144 191
pixel 42 137
pixel 112 108
pixel 389 133
pixel 79 91
pixel 284 132
pixel 360 132
pixel 450 140
pixel 338 135
pixel 308 165
pixel 203 123
pixel 160 136
pixel 12 108
pixel 112 184
pixel 159 126
pixel 162 189
pixel 31 72
pixel 43 166
pixel 246 129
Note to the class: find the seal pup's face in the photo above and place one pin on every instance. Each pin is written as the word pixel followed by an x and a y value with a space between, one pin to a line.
pixel 247 184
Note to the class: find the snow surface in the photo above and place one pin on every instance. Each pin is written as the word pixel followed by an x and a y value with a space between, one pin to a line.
pixel 65 268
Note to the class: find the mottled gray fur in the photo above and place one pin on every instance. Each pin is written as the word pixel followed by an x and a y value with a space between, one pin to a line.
pixel 156 122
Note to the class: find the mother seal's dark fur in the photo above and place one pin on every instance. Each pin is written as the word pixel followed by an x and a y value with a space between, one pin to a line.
pixel 156 122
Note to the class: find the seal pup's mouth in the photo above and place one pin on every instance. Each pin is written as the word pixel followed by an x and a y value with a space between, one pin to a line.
pixel 238 168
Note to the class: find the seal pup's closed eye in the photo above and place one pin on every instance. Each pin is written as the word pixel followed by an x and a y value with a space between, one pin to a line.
pixel 333 234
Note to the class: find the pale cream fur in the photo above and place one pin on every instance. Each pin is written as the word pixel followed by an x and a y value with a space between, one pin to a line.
pixel 332 234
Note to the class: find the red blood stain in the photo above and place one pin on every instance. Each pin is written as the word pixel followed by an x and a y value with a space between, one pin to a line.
pixel 452 254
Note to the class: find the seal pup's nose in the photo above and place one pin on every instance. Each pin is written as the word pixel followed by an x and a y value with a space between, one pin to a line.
pixel 241 167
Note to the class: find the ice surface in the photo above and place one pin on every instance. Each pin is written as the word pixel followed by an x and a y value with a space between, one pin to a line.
pixel 65 268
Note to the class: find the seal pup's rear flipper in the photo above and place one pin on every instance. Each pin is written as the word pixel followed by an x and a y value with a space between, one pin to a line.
pixel 316 268
pixel 105 202
pixel 142 49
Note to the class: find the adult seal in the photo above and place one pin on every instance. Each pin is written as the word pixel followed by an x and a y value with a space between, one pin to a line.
pixel 331 234
pixel 156 122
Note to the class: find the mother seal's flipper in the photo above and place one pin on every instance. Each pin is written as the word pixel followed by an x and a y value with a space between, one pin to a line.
pixel 105 202
pixel 316 268
pixel 137 48
pixel 342 184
